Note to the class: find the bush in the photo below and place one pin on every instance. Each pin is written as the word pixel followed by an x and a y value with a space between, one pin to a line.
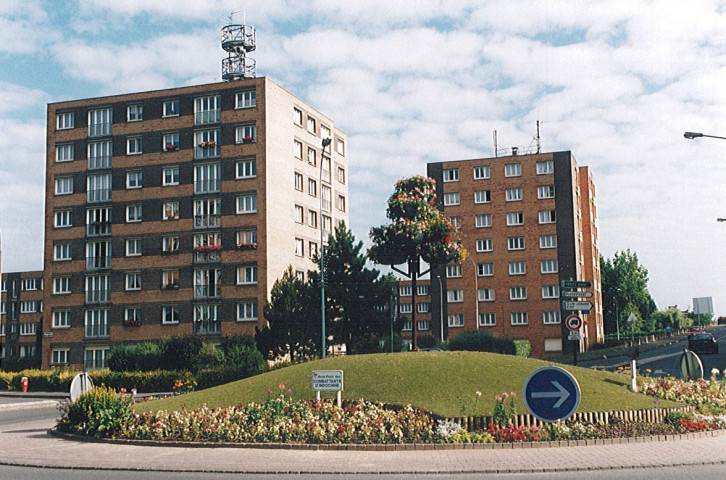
pixel 99 412
pixel 211 377
pixel 523 347
pixel 180 353
pixel 147 382
pixel 482 342
pixel 5 379
pixel 426 341
pixel 42 380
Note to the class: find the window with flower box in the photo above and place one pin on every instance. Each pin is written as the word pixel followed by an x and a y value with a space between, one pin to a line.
pixel 206 144
pixel 246 134
pixel 170 142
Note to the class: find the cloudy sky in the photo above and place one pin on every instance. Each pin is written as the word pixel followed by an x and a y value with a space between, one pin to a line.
pixel 616 82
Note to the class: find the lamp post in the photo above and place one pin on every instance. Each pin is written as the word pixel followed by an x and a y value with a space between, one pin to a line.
pixel 323 350
pixel 441 307
pixel 476 295
pixel 693 135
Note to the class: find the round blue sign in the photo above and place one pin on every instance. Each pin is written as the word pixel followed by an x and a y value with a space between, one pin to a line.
pixel 551 394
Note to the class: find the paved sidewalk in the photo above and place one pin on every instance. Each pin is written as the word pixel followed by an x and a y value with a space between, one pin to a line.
pixel 32 445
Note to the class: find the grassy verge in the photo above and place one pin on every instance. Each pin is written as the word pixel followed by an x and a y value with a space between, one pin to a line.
pixel 442 382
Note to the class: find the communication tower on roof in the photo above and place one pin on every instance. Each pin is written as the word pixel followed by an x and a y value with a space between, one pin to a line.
pixel 238 40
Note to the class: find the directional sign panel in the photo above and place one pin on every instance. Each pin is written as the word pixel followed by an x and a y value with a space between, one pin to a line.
pixel 575 294
pixel 551 394
pixel 575 284
pixel 571 305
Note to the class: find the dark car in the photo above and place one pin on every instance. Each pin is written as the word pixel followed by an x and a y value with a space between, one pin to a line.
pixel 702 342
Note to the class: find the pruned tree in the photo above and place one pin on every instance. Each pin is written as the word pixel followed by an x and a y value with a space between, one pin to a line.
pixel 418 231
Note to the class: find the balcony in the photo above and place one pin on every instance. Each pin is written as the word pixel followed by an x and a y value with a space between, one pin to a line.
pixel 98 263
pixel 247 246
pixel 97 229
pixel 99 195
pixel 207 291
pixel 207 186
pixel 208 256
pixel 207 327
pixel 98 330
pixel 94 297
pixel 206 221
pixel 101 129
pixel 99 162
pixel 207 117
pixel 205 150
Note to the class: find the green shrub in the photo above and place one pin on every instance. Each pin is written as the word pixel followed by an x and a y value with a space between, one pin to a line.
pixel 209 356
pixel 55 380
pixel 482 342
pixel 426 341
pixel 240 351
pixel 6 379
pixel 180 353
pixel 144 356
pixel 99 412
pixel 523 347
pixel 144 382
pixel 211 377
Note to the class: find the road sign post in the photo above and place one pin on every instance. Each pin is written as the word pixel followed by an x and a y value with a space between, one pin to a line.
pixel 551 394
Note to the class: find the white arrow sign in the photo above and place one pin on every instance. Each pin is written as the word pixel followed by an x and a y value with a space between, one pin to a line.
pixel 562 394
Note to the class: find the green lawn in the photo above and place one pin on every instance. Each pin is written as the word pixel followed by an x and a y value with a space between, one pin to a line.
pixel 442 382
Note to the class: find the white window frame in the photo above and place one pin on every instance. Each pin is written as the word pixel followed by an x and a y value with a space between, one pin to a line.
pixel 170 108
pixel 299 247
pixel 65 120
pixel 451 199
pixel 454 271
pixel 60 356
pixel 170 142
pixel 487 319
pixel 64 152
pixel 451 175
pixel 134 179
pixel 454 295
pixel 483 220
pixel 515 219
pixel 134 113
pixel 514 194
pixel 169 314
pixel 246 203
pixel 297 116
pixel 311 125
pixel 299 214
pixel 550 292
pixel 61 285
pixel 134 213
pixel 484 245
pixel 62 251
pixel 513 170
pixel 61 318
pixel 423 307
pixel 247 311
pixel 545 167
pixel 64 185
pixel 548 241
pixel 405 308
pixel 246 133
pixel 485 269
pixel 515 243
pixel 552 317
pixel 340 146
pixel 518 293
pixel 133 247
pixel 207 109
pixel 247 275
pixel 170 211
pixel 404 291
pixel 245 99
pixel 134 146
pixel 169 176
pixel 422 290
pixel 297 150
pixel 486 294
pixel 482 196
pixel 549 266
pixel 482 172
pixel 518 267
pixel 547 217
pixel 246 168
pixel 455 320
pixel 132 281
pixel 63 218
pixel 207 178
pixel 519 318
pixel 170 243
pixel 545 191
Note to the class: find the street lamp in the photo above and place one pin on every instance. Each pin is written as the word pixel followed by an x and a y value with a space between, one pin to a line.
pixel 721 219
pixel 476 294
pixel 441 307
pixel 326 143
pixel 692 135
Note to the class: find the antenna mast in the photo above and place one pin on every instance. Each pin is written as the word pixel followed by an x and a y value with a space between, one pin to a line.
pixel 238 40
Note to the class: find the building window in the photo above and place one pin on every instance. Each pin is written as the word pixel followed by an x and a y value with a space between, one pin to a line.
pixel 207 178
pixel 62 251
pixel 170 244
pixel 134 113
pixel 298 181
pixel 246 134
pixel 340 204
pixel 206 144
pixel 297 116
pixel 65 120
pixel 63 218
pixel 64 185
pixel 326 200
pixel 299 214
pixel 206 320
pixel 451 198
pixel 455 296
pixel 451 175
pixel 483 220
pixel 482 196
pixel 484 245
pixel 548 241
pixel 133 213
pixel 404 291
pixel 340 146
pixel 247 238
pixel 453 271
pixel 61 285
pixel 207 110
pixel 170 279
pixel 517 268
pixel 28 306
pixel 247 311
pixel 99 122
pixel 312 219
pixel 98 255
pixel 64 153
pixel 98 188
pixel 170 108
pixel 518 318
pixel 95 358
pixel 518 293
pixel 546 216
pixel 133 281
pixel 550 291
pixel 134 179
pixel 488 319
pixel 134 146
pixel 99 155
pixel 28 284
pixel 170 211
pixel 169 314
pixel 247 275
pixel 170 142
pixel 485 294
pixel 299 247
pixel 297 150
pixel 513 170
pixel 515 218
pixel 545 191
pixel 405 308
pixel 481 172
pixel 311 125
pixel 132 316
pixel 96 323
pixel 455 320
pixel 485 269
pixel 207 213
pixel 423 307
pixel 247 203
pixel 246 168
pixel 545 167
pixel 312 187
pixel 170 176
pixel 98 221
pixel 455 221
pixel 245 99
pixel 549 266
pixel 551 317
pixel 59 356
pixel 422 290
pixel 133 247
pixel 515 243
pixel 312 250
pixel 312 158
pixel 61 319
pixel 514 194
pixel 341 175
pixel 98 289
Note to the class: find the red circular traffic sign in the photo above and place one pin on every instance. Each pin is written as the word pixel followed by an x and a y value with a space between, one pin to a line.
pixel 573 322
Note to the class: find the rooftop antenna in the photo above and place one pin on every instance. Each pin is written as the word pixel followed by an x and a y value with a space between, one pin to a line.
pixel 238 40
pixel 496 148
pixel 539 139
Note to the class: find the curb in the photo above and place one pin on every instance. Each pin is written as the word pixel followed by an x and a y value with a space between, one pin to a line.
pixel 28 405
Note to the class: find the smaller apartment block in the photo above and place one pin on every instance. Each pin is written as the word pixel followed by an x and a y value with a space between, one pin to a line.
pixel 21 310
pixel 528 222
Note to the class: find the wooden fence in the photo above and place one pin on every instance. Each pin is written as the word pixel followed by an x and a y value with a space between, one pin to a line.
pixel 653 415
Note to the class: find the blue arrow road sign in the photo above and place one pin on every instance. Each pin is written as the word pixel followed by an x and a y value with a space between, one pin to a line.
pixel 551 394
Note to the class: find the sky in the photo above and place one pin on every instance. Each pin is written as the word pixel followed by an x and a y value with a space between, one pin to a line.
pixel 616 82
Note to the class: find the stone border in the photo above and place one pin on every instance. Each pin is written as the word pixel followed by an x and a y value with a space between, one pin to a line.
pixel 395 447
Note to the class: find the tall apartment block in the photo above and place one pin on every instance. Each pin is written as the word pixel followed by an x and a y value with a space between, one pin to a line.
pixel 529 222
pixel 21 309
pixel 173 212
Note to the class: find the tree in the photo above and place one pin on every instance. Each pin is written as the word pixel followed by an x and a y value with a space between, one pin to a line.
pixel 292 328
pixel 356 296
pixel 625 291
pixel 418 231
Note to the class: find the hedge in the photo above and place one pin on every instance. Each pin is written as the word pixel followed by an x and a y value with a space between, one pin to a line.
pixel 483 342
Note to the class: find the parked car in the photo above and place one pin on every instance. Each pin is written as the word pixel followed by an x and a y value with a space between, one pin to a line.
pixel 702 342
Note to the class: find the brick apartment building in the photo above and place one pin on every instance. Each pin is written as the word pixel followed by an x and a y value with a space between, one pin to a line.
pixel 21 309
pixel 173 212
pixel 528 223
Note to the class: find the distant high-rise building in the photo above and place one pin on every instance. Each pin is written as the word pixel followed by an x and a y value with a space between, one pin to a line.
pixel 173 212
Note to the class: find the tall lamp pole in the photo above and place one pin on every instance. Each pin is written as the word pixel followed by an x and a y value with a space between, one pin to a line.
pixel 323 350
pixel 694 135
pixel 476 295
pixel 441 306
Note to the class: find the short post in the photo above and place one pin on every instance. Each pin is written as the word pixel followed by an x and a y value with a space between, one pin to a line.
pixel 633 375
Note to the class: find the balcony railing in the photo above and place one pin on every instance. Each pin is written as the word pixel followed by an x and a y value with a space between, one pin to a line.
pixel 207 291
pixel 207 327
pixel 98 296
pixel 207 117
pixel 206 150
pixel 98 330
pixel 207 186
pixel 99 162
pixel 207 257
pixel 99 129
pixel 98 263
pixel 206 221
pixel 96 229
pixel 99 195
